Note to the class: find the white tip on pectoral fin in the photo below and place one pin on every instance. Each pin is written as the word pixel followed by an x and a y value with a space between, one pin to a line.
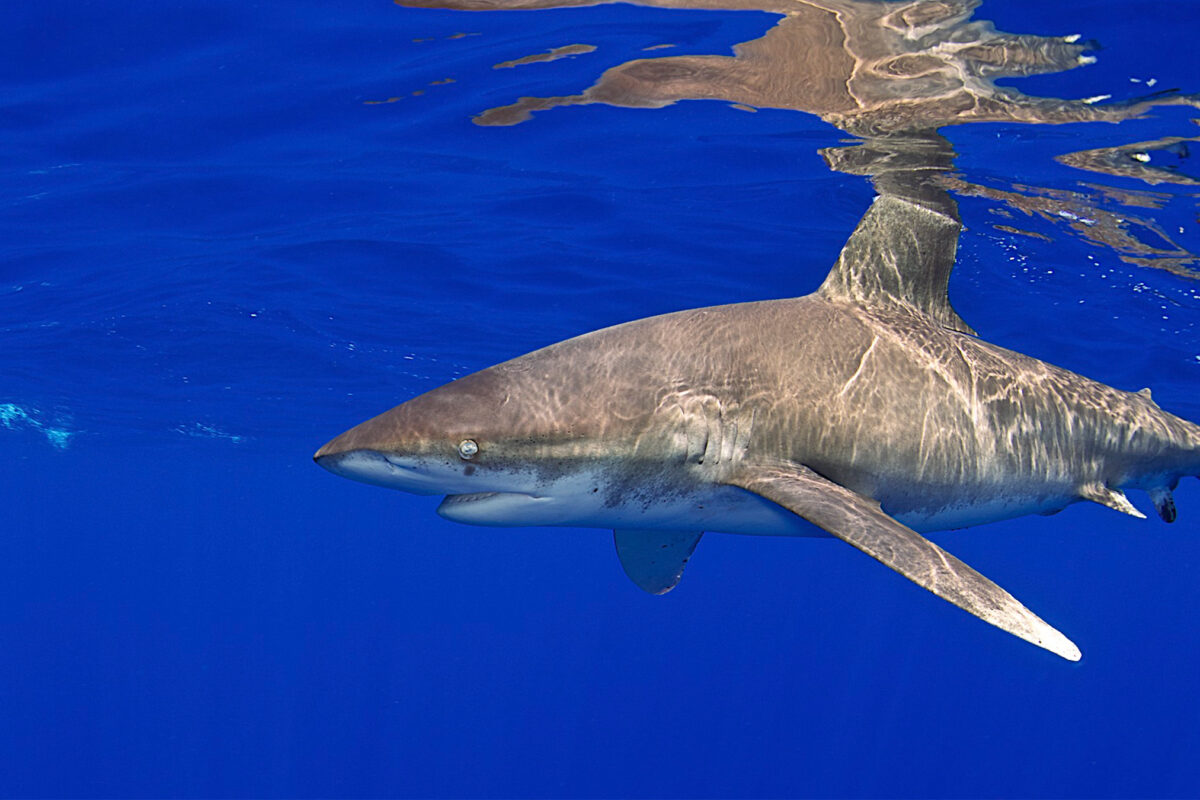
pixel 860 522
pixel 1049 637
pixel 1113 498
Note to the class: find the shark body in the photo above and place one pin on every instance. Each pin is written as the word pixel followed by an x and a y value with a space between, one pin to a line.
pixel 867 411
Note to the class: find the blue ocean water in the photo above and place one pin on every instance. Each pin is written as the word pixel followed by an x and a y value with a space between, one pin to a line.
pixel 222 243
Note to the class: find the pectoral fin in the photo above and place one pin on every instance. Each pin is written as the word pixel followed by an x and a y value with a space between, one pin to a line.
pixel 654 560
pixel 861 522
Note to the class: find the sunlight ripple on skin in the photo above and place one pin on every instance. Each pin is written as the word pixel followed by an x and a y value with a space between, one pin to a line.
pixel 868 410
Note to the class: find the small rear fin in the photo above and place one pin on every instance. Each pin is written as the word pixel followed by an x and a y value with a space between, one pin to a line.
pixel 900 256
pixel 1164 503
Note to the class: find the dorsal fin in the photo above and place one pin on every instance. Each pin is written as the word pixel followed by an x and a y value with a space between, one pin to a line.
pixel 900 256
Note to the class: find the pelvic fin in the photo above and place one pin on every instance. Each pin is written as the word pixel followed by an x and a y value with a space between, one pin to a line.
pixel 1113 498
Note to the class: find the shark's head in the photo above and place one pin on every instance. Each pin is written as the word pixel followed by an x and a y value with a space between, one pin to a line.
pixel 513 444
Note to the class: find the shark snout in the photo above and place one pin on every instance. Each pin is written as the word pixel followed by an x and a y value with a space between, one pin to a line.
pixel 326 454
pixel 341 445
pixel 374 439
pixel 350 463
pixel 379 469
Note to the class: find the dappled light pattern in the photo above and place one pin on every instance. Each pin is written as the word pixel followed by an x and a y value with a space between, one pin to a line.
pixel 14 418
pixel 1096 215
pixel 565 51
pixel 894 74
pixel 869 68
pixel 1165 160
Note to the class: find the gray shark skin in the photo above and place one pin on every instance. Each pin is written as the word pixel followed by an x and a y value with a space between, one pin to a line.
pixel 867 411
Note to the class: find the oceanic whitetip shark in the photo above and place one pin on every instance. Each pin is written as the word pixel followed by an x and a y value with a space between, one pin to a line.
pixel 867 410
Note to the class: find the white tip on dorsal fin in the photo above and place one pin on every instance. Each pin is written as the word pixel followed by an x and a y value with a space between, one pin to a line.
pixel 1149 397
pixel 1113 498
pixel 1164 503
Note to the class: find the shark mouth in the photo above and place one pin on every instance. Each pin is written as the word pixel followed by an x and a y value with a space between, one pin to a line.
pixel 474 497
pixel 491 508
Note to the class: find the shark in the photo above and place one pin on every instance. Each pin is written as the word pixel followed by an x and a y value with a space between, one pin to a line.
pixel 867 411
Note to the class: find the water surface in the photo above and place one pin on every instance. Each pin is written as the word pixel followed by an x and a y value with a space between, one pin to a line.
pixel 231 232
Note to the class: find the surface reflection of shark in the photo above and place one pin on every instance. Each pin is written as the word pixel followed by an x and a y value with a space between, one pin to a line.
pixel 869 68
pixel 892 69
pixel 867 410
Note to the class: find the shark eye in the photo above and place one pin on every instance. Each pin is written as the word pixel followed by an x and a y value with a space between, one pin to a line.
pixel 468 448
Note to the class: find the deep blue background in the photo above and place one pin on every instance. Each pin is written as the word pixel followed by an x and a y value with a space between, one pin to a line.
pixel 214 255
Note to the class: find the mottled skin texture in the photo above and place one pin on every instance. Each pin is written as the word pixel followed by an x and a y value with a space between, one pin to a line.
pixel 868 409
pixel 865 409
pixel 922 418
pixel 873 382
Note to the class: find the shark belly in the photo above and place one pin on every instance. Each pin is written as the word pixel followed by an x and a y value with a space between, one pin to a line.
pixel 589 501
pixel 611 499
pixel 925 506
pixel 723 509
pixel 964 514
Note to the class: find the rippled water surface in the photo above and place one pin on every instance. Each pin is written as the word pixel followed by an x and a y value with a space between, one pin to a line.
pixel 230 231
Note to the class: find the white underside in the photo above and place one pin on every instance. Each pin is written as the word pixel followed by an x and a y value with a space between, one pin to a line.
pixel 572 503
pixel 980 511
pixel 723 509
pixel 588 499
